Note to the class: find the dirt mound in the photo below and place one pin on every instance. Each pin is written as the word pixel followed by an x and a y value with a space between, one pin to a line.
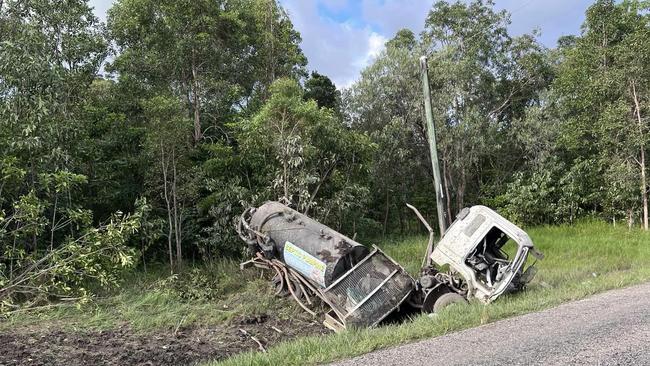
pixel 123 346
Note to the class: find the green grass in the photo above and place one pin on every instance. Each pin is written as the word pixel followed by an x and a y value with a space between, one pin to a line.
pixel 580 261
pixel 151 302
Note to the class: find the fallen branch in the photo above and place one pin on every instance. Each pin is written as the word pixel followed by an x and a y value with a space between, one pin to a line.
pixel 259 344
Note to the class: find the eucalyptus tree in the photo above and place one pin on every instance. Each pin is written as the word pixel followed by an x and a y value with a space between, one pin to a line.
pixel 483 79
pixel 605 82
pixel 386 103
pixel 293 151
pixel 191 48
pixel 216 56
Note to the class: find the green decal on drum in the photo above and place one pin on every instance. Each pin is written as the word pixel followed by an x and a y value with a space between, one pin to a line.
pixel 305 263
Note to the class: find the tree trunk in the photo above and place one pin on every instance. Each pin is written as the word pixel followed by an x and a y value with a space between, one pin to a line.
pixel 196 102
pixel 56 202
pixel 13 254
pixel 644 190
pixel 445 173
pixel 401 219
pixel 630 219
pixel 460 191
pixel 270 66
pixel 314 193
pixel 144 259
pixel 177 221
pixel 169 210
pixel 285 178
pixel 386 212
pixel 644 183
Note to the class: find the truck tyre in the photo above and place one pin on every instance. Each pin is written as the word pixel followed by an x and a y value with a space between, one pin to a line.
pixel 447 299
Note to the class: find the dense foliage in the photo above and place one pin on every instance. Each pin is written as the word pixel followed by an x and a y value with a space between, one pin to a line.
pixel 183 113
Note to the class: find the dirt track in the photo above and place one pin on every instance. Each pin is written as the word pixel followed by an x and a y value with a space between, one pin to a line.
pixel 612 328
pixel 123 346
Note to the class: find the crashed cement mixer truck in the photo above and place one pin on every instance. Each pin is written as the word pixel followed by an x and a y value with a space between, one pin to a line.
pixel 362 285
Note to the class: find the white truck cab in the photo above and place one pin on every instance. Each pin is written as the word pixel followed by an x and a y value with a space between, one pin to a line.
pixel 488 252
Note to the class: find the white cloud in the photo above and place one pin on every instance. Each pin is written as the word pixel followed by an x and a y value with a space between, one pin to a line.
pixel 341 50
pixel 337 49
pixel 376 44
pixel 554 18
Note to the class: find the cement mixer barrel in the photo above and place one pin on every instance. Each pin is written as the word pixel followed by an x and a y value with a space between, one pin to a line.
pixel 319 253
pixel 361 286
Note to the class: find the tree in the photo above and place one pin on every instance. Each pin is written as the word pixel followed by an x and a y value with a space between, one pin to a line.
pixel 322 90
pixel 215 56
pixel 404 38
pixel 484 80
pixel 111 153
pixel 47 60
pixel 50 53
pixel 605 76
pixel 169 151
pixel 292 151
pixel 206 64
pixel 386 103
pixel 277 46
pixel 191 48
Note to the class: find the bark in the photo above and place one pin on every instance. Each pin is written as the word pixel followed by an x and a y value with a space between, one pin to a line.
pixel 144 259
pixel 177 221
pixel 630 219
pixel 386 212
pixel 165 166
pixel 401 219
pixel 196 102
pixel 445 173
pixel 13 254
pixel 285 178
pixel 314 193
pixel 460 191
pixel 56 201
pixel 271 60
pixel 643 183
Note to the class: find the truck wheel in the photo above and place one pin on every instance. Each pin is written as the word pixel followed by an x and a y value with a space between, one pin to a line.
pixel 450 298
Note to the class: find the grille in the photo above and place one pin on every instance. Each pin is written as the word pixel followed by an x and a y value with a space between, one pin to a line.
pixel 370 290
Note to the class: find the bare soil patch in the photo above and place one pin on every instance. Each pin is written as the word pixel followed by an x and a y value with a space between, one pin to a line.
pixel 124 346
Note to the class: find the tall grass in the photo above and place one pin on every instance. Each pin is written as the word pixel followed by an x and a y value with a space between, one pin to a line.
pixel 580 260
pixel 152 301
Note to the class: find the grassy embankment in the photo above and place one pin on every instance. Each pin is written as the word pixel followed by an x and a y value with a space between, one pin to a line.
pixel 154 301
pixel 580 261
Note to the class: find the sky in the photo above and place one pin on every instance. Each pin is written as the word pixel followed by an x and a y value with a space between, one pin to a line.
pixel 341 37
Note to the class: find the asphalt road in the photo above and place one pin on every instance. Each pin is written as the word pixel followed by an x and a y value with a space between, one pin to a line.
pixel 612 328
